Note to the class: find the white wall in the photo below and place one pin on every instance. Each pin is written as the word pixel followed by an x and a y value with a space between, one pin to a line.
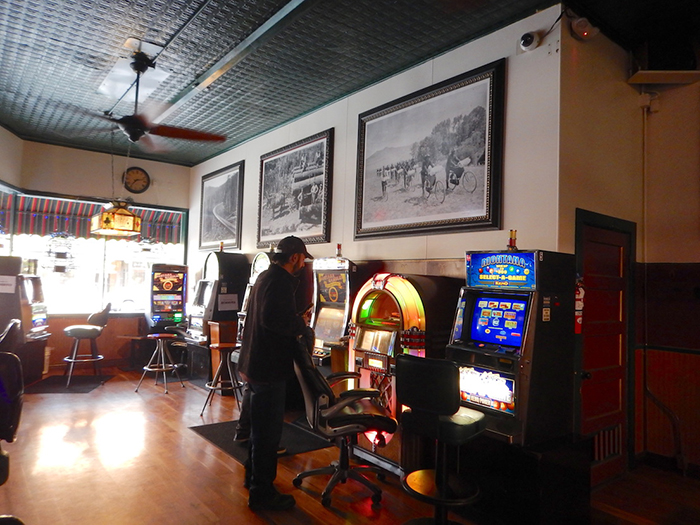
pixel 11 154
pixel 83 173
pixel 530 199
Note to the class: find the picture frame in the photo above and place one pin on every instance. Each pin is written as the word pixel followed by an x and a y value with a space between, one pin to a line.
pixel 431 161
pixel 295 191
pixel 222 208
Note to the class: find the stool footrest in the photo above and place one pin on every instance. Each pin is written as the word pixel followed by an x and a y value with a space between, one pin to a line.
pixel 160 368
pixel 421 484
pixel 83 359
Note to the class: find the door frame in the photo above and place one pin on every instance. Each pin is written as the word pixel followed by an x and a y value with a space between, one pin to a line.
pixel 606 222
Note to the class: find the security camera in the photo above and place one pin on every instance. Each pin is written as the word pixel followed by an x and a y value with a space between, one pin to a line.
pixel 529 41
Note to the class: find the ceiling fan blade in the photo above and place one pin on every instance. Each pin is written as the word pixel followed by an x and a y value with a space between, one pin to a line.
pixel 184 133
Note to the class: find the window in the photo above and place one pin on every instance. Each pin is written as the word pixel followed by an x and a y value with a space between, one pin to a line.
pixel 81 273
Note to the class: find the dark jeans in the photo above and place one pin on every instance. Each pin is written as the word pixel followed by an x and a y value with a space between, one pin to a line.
pixel 267 403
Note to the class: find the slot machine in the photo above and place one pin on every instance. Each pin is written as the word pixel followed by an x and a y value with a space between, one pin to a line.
pixel 219 294
pixel 21 297
pixel 168 295
pixel 261 262
pixel 394 314
pixel 513 337
pixel 34 311
pixel 332 301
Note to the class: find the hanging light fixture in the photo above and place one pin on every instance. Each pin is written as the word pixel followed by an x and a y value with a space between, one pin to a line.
pixel 116 221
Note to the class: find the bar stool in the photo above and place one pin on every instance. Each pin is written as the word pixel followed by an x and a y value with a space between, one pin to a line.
pixel 90 331
pixel 161 360
pixel 218 383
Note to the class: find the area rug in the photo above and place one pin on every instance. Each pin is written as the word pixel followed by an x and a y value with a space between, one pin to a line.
pixel 294 438
pixel 57 385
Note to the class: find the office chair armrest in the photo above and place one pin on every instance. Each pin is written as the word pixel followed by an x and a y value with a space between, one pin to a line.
pixel 337 377
pixel 347 398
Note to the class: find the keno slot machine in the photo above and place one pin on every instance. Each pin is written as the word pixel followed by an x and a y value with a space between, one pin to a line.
pixel 331 310
pixel 513 337
pixel 394 314
pixel 168 289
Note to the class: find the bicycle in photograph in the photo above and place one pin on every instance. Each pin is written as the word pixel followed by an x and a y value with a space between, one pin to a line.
pixel 465 180
pixel 434 188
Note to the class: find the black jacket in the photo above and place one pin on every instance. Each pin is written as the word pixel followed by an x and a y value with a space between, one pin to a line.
pixel 272 326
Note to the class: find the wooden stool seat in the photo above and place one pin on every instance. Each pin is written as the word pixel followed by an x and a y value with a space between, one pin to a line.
pixel 161 361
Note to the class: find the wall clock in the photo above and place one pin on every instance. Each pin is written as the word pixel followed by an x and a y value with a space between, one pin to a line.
pixel 136 180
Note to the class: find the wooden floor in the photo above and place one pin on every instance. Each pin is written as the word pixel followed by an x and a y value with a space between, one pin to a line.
pixel 114 456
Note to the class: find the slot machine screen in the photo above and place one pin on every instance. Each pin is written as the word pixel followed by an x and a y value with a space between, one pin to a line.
pixel 377 341
pixel 498 320
pixel 168 295
pixel 202 293
pixel 32 289
pixel 332 287
pixel 487 388
pixel 329 325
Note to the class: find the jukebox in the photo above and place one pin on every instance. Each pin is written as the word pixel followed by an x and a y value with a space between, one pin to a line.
pixel 513 338
pixel 394 314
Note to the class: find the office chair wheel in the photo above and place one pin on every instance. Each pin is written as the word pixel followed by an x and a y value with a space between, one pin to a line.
pixel 377 498
pixel 326 501
pixel 296 482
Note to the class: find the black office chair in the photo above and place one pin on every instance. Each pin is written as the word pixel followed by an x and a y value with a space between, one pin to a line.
pixel 11 392
pixel 341 418
pixel 430 388
pixel 90 331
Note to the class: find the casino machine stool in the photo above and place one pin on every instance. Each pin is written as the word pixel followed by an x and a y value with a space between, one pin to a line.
pixel 90 332
pixel 161 360
pixel 430 388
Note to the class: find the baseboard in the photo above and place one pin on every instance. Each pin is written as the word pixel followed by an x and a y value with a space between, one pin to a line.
pixel 669 464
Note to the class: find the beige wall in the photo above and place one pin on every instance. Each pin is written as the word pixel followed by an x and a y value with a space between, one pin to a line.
pixel 530 199
pixel 11 155
pixel 82 173
pixel 673 176
pixel 601 135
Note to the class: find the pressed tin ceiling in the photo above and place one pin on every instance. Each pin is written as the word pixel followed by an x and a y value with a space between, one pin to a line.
pixel 263 62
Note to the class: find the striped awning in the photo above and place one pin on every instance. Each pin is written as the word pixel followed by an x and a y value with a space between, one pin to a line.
pixel 47 215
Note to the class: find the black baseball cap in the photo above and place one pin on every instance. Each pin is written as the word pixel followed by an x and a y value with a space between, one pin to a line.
pixel 291 245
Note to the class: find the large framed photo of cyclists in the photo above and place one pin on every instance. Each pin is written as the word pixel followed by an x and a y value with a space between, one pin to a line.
pixel 295 191
pixel 431 161
pixel 221 208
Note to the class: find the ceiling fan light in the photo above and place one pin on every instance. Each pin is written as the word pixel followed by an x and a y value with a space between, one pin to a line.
pixel 116 221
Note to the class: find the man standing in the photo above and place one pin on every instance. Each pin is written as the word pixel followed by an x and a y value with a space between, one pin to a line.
pixel 266 362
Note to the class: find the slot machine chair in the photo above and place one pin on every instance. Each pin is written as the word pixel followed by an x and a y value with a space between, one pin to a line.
pixel 90 332
pixel 341 418
pixel 11 393
pixel 430 390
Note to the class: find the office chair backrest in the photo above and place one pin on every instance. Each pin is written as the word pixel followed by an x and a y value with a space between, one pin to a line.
pixel 100 318
pixel 316 390
pixel 428 385
pixel 11 337
pixel 11 381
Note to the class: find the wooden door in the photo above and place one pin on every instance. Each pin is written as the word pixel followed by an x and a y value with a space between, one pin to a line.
pixel 603 402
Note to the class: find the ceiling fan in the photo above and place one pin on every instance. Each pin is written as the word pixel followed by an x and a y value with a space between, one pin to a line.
pixel 137 127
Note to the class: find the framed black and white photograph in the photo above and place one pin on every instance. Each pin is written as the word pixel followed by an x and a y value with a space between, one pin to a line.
pixel 431 161
pixel 295 191
pixel 222 206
